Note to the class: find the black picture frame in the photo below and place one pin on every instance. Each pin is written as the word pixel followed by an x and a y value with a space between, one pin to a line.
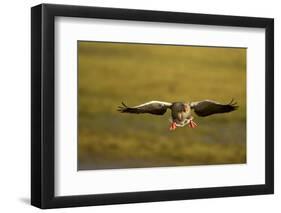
pixel 43 102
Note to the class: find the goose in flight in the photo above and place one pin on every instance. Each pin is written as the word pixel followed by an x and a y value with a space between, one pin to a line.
pixel 180 111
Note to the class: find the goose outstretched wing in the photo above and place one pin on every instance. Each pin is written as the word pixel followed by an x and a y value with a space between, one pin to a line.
pixel 152 107
pixel 208 107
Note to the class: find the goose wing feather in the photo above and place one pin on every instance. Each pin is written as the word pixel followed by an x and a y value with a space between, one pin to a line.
pixel 209 107
pixel 151 107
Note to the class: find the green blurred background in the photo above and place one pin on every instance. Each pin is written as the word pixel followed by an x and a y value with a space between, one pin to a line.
pixel 110 73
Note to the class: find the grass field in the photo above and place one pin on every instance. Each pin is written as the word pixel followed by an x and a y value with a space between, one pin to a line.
pixel 110 73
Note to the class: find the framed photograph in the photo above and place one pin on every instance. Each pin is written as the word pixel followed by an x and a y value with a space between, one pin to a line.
pixel 139 106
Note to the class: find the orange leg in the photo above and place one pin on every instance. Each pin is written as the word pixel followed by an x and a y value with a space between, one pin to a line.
pixel 192 124
pixel 173 126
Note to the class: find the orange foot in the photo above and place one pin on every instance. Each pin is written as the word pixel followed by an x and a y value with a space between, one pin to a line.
pixel 192 124
pixel 173 126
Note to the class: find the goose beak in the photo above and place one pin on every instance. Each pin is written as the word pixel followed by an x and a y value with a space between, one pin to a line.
pixel 185 108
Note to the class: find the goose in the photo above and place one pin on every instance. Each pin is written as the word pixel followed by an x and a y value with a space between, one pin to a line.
pixel 180 111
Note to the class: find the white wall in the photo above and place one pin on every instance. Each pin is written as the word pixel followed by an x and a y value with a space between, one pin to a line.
pixel 15 105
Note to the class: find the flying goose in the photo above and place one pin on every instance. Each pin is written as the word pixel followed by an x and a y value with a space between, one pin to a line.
pixel 180 111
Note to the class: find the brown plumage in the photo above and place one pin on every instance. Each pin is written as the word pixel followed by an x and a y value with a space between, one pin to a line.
pixel 180 111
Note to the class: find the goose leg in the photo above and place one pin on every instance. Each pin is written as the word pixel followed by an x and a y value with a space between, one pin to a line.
pixel 173 126
pixel 191 123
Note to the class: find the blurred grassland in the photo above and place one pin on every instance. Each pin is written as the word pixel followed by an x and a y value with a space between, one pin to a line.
pixel 110 73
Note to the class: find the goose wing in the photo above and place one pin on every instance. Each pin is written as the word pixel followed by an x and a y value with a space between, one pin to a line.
pixel 208 107
pixel 152 107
